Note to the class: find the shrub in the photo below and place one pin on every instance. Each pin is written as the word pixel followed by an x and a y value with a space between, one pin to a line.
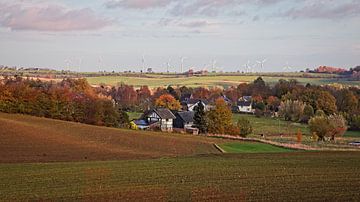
pixel 292 110
pixel 328 126
pixel 308 113
pixel 245 127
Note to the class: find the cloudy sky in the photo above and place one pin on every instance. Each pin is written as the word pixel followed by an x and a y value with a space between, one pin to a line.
pixel 111 35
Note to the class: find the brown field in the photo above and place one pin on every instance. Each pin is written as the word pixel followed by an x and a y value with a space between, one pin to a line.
pixel 31 139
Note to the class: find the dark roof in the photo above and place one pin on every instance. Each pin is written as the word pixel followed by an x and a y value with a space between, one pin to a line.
pixel 246 98
pixel 244 103
pixel 141 122
pixel 165 113
pixel 194 101
pixel 186 116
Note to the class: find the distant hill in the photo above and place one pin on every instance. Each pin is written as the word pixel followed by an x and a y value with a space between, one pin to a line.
pixel 31 139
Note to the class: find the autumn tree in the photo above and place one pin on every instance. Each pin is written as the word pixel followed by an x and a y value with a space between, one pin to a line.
pixel 328 126
pixel 346 101
pixel 220 118
pixel 292 110
pixel 168 101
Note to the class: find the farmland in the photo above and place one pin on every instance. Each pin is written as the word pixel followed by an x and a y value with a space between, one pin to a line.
pixel 31 139
pixel 209 81
pixel 298 176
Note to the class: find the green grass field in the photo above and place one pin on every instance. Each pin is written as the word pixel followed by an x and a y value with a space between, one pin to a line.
pixel 251 147
pixel 297 176
pixel 209 81
pixel 265 125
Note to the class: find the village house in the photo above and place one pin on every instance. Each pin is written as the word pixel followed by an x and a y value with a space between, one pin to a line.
pixel 245 105
pixel 161 118
pixel 190 104
pixel 184 119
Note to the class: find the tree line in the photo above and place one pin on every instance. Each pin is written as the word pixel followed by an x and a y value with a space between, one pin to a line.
pixel 70 100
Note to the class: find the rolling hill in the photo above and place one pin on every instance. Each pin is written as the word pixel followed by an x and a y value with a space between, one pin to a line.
pixel 32 139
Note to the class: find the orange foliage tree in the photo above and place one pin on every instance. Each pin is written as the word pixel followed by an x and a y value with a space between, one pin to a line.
pixel 168 101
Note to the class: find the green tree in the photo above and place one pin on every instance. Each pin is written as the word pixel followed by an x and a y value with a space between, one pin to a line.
pixel 245 127
pixel 308 113
pixel 200 118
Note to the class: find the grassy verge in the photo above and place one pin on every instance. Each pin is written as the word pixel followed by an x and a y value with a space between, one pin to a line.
pixel 251 147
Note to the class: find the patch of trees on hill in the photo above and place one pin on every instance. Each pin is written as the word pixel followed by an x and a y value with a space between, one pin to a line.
pixel 70 100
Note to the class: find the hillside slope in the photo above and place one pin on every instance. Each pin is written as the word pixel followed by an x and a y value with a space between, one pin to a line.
pixel 32 139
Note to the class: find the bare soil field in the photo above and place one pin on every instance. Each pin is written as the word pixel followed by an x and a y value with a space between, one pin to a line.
pixel 31 139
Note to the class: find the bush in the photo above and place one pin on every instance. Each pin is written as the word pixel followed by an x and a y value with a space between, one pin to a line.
pixel 308 113
pixel 292 110
pixel 245 127
pixel 328 126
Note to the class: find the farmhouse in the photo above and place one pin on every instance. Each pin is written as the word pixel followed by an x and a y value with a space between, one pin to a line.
pixel 160 118
pixel 184 119
pixel 244 105
pixel 190 104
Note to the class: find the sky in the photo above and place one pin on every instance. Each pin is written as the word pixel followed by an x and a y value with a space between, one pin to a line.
pixel 119 35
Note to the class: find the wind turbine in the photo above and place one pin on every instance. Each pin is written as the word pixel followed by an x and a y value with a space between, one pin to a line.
pixel 248 66
pixel 67 64
pixel 168 65
pixel 287 67
pixel 261 63
pixel 143 62
pixel 214 65
pixel 182 59
pixel 80 63
pixel 100 60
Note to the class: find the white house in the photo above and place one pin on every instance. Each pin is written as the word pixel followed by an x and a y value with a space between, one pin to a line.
pixel 163 118
pixel 244 105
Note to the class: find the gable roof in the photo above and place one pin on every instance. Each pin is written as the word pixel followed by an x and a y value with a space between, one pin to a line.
pixel 165 113
pixel 186 116
pixel 195 101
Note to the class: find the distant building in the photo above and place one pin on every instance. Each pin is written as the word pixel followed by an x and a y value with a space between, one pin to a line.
pixel 245 105
pixel 330 70
pixel 190 104
pixel 184 119
pixel 161 118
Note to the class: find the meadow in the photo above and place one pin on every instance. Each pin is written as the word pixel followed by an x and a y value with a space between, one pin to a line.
pixel 296 176
pixel 209 81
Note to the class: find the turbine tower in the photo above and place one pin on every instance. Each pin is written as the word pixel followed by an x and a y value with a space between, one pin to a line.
pixel 143 62
pixel 261 63
pixel 214 65
pixel 182 59
pixel 168 65
pixel 100 60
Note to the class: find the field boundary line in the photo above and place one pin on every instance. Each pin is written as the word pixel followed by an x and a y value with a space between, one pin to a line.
pixel 219 148
pixel 283 145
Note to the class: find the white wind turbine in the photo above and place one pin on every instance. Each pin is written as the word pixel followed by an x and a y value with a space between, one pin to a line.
pixel 182 60
pixel 287 67
pixel 100 62
pixel 67 64
pixel 168 65
pixel 80 63
pixel 261 63
pixel 248 67
pixel 143 62
pixel 214 62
